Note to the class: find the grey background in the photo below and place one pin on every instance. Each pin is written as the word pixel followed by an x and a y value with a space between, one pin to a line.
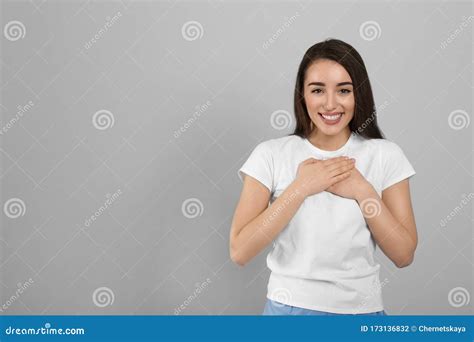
pixel 143 247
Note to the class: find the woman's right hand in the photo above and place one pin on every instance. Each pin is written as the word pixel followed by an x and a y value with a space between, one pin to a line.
pixel 315 175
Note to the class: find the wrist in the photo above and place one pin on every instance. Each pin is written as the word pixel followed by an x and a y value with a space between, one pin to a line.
pixel 300 188
pixel 367 191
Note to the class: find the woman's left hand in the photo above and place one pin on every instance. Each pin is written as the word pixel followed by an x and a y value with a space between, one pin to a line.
pixel 352 187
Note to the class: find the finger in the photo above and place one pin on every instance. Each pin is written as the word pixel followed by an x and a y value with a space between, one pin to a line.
pixel 340 164
pixel 341 169
pixel 340 177
pixel 310 161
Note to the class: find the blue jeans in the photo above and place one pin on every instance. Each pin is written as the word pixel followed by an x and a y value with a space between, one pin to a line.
pixel 276 308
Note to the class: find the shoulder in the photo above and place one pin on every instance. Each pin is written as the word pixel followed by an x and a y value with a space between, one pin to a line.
pixel 389 152
pixel 387 146
pixel 384 146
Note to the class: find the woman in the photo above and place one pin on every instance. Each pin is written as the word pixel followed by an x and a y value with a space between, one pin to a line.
pixel 327 212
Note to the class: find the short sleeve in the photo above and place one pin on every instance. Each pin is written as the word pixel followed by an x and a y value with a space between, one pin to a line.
pixel 395 165
pixel 260 165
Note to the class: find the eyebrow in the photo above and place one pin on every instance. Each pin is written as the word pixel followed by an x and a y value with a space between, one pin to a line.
pixel 323 84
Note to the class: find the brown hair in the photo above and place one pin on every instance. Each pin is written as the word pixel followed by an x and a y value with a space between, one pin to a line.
pixel 364 121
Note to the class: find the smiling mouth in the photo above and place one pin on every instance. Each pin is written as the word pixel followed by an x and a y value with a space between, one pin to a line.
pixel 332 117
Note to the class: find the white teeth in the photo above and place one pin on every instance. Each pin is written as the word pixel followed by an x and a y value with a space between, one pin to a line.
pixel 331 117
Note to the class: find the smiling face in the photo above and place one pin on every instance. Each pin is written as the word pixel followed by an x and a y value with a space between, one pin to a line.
pixel 329 96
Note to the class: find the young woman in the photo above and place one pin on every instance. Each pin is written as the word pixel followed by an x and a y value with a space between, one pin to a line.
pixel 327 212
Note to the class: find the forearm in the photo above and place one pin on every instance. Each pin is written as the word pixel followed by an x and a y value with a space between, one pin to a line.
pixel 389 234
pixel 262 230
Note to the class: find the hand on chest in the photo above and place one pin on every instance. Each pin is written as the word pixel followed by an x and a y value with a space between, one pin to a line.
pixel 366 164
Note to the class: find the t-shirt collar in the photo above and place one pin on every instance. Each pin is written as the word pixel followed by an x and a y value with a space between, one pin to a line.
pixel 343 149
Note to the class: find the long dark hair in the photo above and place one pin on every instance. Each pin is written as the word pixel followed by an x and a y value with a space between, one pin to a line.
pixel 364 121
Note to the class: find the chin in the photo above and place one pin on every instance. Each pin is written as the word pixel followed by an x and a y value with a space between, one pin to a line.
pixel 331 130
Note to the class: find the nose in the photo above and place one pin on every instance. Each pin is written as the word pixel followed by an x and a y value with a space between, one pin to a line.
pixel 330 102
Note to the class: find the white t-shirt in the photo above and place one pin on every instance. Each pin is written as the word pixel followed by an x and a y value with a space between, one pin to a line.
pixel 324 258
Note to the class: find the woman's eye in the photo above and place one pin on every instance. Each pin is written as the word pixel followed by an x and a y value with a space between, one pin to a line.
pixel 319 91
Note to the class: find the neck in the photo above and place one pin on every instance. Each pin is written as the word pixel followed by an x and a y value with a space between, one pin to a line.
pixel 329 142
